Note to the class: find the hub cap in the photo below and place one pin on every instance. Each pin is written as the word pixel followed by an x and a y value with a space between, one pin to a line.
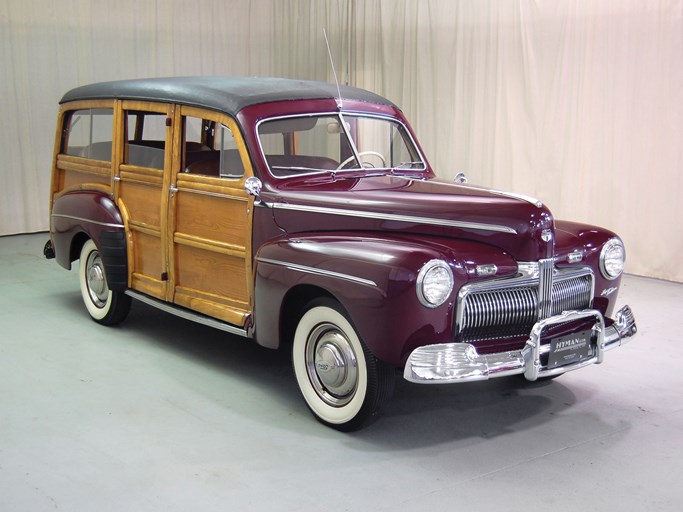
pixel 332 365
pixel 97 282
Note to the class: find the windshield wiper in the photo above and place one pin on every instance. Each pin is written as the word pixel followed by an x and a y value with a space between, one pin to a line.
pixel 409 165
pixel 288 168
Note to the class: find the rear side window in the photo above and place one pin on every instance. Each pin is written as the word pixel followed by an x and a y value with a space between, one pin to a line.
pixel 88 133
pixel 145 138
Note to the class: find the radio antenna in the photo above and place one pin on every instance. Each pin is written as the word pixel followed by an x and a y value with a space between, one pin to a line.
pixel 334 72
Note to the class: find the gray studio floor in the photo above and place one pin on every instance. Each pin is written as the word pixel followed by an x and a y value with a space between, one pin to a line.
pixel 160 414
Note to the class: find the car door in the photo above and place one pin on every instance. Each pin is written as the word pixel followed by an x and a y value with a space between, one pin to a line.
pixel 142 176
pixel 209 217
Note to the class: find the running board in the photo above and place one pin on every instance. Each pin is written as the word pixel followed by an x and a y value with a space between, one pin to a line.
pixel 187 314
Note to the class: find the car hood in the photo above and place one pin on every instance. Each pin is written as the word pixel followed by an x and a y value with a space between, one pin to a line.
pixel 431 207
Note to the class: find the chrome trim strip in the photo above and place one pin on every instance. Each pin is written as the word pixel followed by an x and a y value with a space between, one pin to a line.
pixel 73 217
pixel 212 194
pixel 513 195
pixel 187 314
pixel 459 362
pixel 396 217
pixel 318 271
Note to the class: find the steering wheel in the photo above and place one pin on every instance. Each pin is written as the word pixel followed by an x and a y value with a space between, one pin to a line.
pixel 362 154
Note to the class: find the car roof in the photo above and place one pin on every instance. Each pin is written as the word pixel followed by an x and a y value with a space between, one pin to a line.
pixel 224 94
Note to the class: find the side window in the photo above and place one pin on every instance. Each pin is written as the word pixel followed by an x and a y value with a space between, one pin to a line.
pixel 88 133
pixel 145 138
pixel 209 149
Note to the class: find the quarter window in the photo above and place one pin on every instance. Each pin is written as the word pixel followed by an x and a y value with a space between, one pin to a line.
pixel 88 133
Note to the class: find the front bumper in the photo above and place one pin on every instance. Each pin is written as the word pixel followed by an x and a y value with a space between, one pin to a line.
pixel 460 362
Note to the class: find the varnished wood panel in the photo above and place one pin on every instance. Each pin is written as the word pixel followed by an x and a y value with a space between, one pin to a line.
pixel 72 172
pixel 212 217
pixel 145 284
pixel 142 201
pixel 226 313
pixel 211 272
pixel 147 247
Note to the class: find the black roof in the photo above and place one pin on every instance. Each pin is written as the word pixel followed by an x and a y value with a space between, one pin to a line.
pixel 225 94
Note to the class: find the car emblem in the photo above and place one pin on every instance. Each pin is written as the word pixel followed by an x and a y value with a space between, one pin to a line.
pixel 486 270
pixel 575 257
pixel 546 235
pixel 608 291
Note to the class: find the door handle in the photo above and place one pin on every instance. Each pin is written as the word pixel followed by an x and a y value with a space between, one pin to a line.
pixel 173 189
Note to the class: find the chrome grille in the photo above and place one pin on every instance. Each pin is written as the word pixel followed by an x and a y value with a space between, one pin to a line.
pixel 509 308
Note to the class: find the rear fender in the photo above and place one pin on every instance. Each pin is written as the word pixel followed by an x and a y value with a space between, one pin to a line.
pixel 79 215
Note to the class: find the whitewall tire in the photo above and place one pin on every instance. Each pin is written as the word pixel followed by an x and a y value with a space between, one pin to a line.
pixel 104 306
pixel 342 382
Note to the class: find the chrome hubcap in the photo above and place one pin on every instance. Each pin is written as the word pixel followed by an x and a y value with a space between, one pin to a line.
pixel 332 365
pixel 97 282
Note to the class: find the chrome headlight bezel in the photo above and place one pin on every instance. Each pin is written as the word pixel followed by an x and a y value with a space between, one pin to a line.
pixel 430 292
pixel 612 259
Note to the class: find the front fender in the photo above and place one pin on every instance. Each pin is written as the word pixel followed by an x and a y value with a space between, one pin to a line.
pixel 372 276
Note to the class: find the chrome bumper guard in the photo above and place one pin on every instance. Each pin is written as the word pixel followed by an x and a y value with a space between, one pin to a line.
pixel 460 362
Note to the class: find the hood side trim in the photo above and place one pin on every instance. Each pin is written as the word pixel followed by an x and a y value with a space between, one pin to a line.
pixel 396 217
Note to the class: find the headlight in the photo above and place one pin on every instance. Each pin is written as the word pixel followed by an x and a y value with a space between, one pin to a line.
pixel 612 258
pixel 434 283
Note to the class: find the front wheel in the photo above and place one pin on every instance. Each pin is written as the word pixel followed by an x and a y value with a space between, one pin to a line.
pixel 343 383
pixel 105 306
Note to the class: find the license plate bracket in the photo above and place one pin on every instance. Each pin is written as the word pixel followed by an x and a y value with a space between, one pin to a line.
pixel 570 349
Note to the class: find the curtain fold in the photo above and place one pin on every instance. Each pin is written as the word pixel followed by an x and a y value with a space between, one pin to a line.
pixel 50 46
pixel 577 102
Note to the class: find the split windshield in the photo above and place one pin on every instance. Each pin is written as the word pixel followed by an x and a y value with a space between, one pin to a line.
pixel 336 142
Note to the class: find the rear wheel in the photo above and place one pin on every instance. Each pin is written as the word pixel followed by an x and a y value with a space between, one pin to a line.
pixel 105 306
pixel 343 383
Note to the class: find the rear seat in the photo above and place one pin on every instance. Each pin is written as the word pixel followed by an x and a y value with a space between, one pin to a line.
pixel 145 156
pixel 96 151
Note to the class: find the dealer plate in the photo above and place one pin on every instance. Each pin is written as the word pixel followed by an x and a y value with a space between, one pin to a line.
pixel 570 349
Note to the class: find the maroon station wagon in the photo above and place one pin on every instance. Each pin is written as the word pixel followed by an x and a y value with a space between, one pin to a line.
pixel 308 218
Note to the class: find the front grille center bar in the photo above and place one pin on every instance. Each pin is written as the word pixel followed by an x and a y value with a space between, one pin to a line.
pixel 545 288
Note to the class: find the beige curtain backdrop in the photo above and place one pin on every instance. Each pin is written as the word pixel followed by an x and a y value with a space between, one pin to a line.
pixel 578 102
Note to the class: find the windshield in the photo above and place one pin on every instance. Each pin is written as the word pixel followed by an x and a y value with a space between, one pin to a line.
pixel 336 142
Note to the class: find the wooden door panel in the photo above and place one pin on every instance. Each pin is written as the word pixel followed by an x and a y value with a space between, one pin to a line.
pixel 210 253
pixel 140 194
pixel 213 217
pixel 211 282
pixel 142 201
pixel 146 247
pixel 143 198
pixel 210 230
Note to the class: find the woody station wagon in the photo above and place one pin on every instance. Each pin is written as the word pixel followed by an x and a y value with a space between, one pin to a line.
pixel 306 217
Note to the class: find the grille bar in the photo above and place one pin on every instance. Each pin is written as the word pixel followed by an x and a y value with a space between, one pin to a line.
pixel 508 308
pixel 545 288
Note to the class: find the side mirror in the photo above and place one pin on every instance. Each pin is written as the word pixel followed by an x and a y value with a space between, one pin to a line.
pixel 460 178
pixel 253 186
